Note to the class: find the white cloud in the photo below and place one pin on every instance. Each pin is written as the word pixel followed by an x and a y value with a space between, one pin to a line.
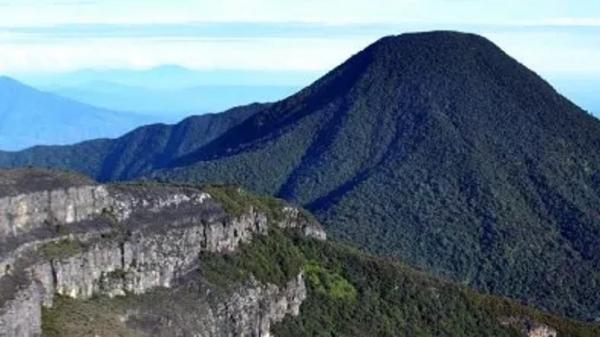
pixel 559 22
pixel 44 12
pixel 514 24
pixel 255 54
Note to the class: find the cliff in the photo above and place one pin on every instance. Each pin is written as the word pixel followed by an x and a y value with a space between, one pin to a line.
pixel 83 240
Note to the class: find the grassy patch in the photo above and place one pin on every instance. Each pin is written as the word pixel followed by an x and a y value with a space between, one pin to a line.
pixel 351 293
pixel 329 283
pixel 89 318
pixel 272 258
pixel 61 249
pixel 238 201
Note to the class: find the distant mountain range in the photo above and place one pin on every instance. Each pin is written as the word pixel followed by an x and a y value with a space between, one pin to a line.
pixel 437 148
pixel 171 90
pixel 138 151
pixel 74 107
pixel 172 77
pixel 172 102
pixel 30 117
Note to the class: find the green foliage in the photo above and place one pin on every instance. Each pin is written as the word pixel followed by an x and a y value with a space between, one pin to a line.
pixel 137 152
pixel 349 294
pixel 61 249
pixel 328 283
pixel 269 258
pixel 237 201
pixel 86 318
pixel 391 299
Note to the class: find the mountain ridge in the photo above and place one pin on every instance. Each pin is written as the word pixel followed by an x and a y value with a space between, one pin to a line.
pixel 99 158
pixel 58 120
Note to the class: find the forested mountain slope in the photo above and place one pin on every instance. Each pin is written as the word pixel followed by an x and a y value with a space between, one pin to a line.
pixel 442 150
pixel 136 152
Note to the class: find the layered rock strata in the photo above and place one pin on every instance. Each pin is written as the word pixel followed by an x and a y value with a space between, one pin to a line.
pixel 85 240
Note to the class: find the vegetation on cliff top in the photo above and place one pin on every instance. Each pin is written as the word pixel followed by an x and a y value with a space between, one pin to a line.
pixel 272 258
pixel 61 249
pixel 237 201
pixel 349 294
pixel 86 318
pixel 377 297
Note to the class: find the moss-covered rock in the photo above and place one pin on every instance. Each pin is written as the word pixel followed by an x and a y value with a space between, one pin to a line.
pixel 61 249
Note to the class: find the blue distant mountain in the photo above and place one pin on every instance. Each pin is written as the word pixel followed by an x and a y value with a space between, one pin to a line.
pixel 172 102
pixel 173 77
pixel 32 117
pixel 172 90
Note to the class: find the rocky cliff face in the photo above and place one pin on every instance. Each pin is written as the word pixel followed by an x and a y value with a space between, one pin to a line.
pixel 530 328
pixel 542 331
pixel 24 213
pixel 85 240
pixel 192 310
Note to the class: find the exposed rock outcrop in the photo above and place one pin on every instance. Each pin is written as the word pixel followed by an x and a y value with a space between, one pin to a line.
pixel 542 331
pixel 26 212
pixel 113 240
pixel 249 310
pixel 530 328
pixel 22 315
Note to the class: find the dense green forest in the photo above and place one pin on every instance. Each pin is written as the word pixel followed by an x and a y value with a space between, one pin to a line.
pixel 444 151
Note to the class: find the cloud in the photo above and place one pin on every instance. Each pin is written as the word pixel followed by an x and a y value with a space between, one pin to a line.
pixel 234 30
pixel 43 35
pixel 565 21
pixel 251 54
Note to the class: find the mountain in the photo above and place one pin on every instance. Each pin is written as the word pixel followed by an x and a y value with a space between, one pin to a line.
pixel 163 260
pixel 169 101
pixel 169 90
pixel 30 117
pixel 170 77
pixel 437 148
pixel 136 152
pixel 440 149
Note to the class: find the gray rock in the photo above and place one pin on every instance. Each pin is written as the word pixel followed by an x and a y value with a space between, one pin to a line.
pixel 22 315
pixel 125 239
pixel 250 310
pixel 26 212
pixel 530 328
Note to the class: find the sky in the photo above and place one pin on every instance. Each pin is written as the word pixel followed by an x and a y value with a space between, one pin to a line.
pixel 556 38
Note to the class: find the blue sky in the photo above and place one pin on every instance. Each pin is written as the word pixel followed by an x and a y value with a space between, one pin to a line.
pixel 554 37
